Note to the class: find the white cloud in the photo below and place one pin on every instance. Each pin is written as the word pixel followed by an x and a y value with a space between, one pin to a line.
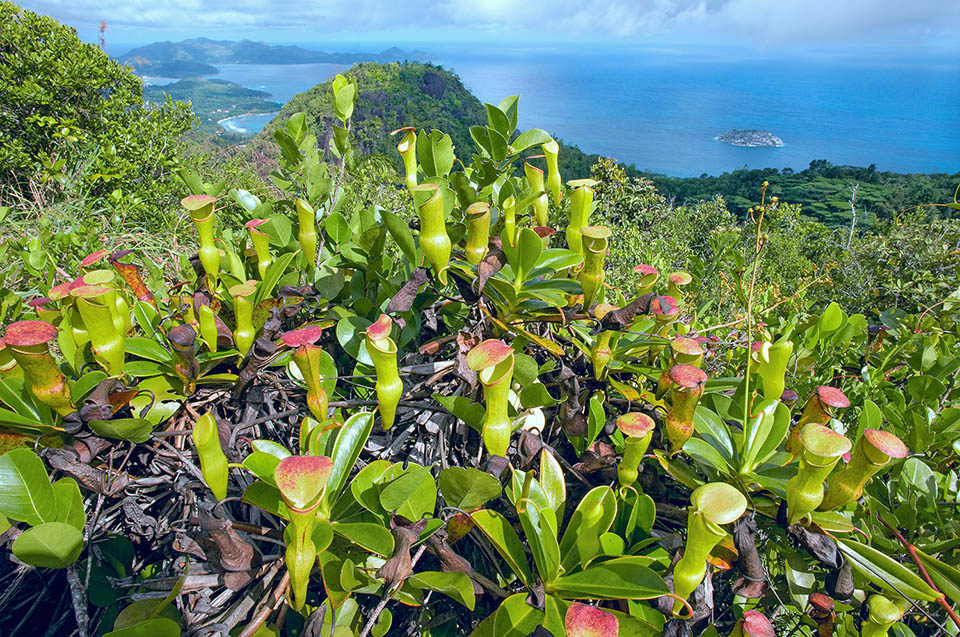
pixel 761 21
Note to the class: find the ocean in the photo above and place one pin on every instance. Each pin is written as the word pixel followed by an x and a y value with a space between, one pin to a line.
pixel 662 110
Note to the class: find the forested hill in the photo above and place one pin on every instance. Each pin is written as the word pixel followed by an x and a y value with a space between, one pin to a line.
pixel 391 96
pixel 824 189
pixel 428 96
pixel 198 55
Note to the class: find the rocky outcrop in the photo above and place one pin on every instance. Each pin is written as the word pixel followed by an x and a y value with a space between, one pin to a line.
pixel 751 138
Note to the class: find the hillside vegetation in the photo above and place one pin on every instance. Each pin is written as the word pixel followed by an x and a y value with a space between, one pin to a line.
pixel 338 382
pixel 212 100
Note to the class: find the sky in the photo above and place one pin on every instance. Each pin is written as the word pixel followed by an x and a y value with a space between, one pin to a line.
pixel 912 26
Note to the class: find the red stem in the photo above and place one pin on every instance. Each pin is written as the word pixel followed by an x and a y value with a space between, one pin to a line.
pixel 923 571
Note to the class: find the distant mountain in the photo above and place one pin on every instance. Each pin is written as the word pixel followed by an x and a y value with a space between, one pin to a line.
pixel 197 56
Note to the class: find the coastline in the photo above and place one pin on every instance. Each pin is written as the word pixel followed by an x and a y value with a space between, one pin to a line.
pixel 229 128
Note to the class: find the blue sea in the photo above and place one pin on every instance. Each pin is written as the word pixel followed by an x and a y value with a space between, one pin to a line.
pixel 661 109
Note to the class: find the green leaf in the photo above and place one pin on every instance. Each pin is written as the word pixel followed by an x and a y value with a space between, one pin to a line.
pixel 276 270
pixel 533 137
pixel 886 572
pixel 530 247
pixel 945 576
pixel 435 153
pixel 147 348
pixel 26 494
pixel 350 441
pixel 619 578
pixel 267 497
pixel 466 488
pixel 343 101
pixel 705 454
pixel 551 479
pixel 542 539
pixel 371 536
pixel 49 545
pixel 69 503
pixel 516 618
pixel 596 417
pixel 132 429
pixel 455 585
pixel 711 428
pixel 337 227
pixel 497 120
pixel 400 232
pixel 156 627
pixel 413 494
pixel 832 318
pixel 920 477
pixel 262 465
pixel 463 408
pixel 505 539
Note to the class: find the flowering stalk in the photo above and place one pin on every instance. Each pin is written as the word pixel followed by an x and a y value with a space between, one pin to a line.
pixel 637 430
pixel 542 203
pixel 871 454
pixel 182 339
pixel 244 334
pixel 27 342
pixel 772 367
pixel 96 312
pixel 383 352
pixel 201 210
pixel 595 240
pixel 434 240
pixel 819 409
pixel 686 387
pixel 301 481
pixel 478 231
pixel 408 151
pixel 261 244
pixel 493 361
pixel 822 448
pixel 581 200
pixel 307 231
pixel 213 462
pixel 307 358
pixel 883 613
pixel 711 505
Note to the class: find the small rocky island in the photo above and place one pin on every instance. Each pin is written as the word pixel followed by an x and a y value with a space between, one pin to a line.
pixel 752 138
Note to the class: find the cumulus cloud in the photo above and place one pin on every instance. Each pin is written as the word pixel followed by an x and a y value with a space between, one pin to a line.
pixel 763 21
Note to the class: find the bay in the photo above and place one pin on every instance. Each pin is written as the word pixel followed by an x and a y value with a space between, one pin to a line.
pixel 662 110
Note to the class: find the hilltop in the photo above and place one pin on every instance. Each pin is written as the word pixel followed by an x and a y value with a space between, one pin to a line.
pixel 391 96
pixel 198 56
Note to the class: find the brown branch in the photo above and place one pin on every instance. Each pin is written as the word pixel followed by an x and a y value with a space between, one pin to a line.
pixel 912 551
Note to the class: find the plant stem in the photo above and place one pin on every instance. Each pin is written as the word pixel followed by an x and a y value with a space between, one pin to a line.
pixel 912 551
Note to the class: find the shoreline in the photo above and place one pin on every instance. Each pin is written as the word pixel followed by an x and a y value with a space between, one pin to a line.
pixel 220 122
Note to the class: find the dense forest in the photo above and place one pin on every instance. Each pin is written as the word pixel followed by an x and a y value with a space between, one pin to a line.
pixel 458 379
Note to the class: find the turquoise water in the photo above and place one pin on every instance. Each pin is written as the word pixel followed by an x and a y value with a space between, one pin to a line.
pixel 662 112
